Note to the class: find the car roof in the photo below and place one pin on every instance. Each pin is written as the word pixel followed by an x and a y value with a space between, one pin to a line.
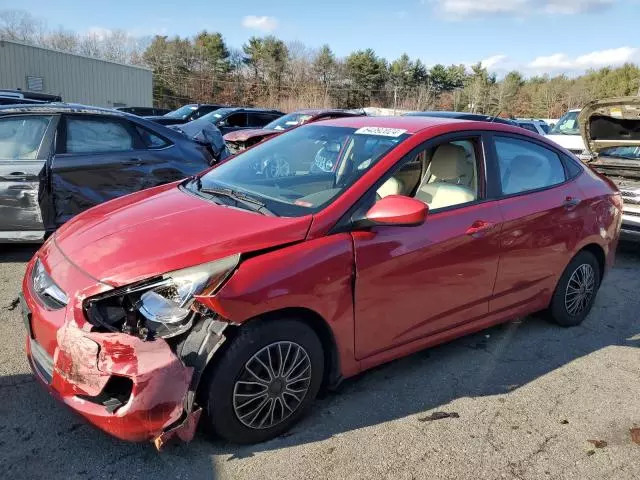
pixel 251 109
pixel 412 124
pixel 58 108
pixel 322 111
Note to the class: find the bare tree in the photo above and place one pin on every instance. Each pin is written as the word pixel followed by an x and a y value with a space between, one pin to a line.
pixel 21 26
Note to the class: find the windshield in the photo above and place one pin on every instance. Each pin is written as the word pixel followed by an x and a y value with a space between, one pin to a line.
pixel 631 153
pixel 182 112
pixel 288 121
pixel 216 115
pixel 302 171
pixel 567 125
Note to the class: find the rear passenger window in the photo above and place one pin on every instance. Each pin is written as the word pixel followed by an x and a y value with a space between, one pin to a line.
pixel 89 135
pixel 260 119
pixel 237 120
pixel 151 140
pixel 526 166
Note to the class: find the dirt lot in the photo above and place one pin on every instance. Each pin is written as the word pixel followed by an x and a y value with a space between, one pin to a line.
pixel 531 401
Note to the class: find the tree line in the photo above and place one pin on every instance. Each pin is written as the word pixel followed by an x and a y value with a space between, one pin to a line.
pixel 268 72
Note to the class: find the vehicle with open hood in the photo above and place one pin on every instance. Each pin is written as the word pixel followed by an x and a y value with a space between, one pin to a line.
pixel 611 132
pixel 241 295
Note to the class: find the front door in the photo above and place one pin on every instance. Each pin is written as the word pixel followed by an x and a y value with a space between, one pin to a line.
pixel 412 282
pixel 25 143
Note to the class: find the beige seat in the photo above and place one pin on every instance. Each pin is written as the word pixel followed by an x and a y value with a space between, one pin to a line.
pixel 393 186
pixel 450 171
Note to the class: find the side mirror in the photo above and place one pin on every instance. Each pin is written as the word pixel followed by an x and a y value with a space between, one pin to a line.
pixel 397 210
pixel 221 123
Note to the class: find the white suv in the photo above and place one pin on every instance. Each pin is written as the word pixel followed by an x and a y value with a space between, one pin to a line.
pixel 566 133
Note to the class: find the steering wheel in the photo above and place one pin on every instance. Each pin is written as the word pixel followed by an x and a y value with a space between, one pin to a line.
pixel 276 166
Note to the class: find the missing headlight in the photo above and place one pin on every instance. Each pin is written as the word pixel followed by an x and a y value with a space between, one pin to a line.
pixel 161 306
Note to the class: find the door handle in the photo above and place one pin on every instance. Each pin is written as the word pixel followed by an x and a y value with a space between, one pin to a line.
pixel 570 203
pixel 133 161
pixel 16 176
pixel 479 227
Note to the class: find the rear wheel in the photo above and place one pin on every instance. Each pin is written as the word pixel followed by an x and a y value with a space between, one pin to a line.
pixel 265 381
pixel 576 291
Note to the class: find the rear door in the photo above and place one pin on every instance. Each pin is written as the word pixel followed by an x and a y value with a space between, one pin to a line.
pixel 540 205
pixel 99 158
pixel 25 143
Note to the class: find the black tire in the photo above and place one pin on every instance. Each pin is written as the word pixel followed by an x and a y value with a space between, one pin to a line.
pixel 250 341
pixel 563 309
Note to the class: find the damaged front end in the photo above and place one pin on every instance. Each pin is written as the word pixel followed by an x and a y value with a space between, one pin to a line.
pixel 130 359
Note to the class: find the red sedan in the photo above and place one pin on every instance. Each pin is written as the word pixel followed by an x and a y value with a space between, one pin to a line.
pixel 243 295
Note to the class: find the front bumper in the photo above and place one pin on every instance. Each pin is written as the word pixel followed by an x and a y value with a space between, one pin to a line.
pixel 630 230
pixel 82 368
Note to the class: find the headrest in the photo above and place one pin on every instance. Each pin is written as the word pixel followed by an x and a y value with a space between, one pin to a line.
pixel 449 162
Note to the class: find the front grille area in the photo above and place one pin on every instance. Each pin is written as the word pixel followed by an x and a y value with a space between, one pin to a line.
pixel 42 361
pixel 630 197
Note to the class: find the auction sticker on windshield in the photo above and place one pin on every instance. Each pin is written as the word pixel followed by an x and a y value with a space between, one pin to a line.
pixel 380 131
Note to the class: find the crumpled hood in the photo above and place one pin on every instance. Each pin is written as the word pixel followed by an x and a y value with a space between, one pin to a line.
pixel 614 122
pixel 164 229
pixel 244 135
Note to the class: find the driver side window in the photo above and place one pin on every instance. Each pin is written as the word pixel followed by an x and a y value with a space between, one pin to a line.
pixel 441 176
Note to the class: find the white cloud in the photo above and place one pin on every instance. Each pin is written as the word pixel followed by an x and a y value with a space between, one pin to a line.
pixel 520 8
pixel 597 59
pixel 493 62
pixel 571 7
pixel 264 23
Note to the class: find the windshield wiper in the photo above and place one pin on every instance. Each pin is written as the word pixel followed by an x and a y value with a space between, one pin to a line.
pixel 240 198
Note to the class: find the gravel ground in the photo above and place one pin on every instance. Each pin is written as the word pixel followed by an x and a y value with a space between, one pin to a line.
pixel 530 401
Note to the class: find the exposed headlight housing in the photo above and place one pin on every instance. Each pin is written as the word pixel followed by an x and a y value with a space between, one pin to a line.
pixel 162 306
pixel 167 307
pixel 50 294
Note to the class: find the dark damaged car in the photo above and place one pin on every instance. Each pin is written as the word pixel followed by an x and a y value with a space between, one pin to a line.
pixel 242 139
pixel 611 132
pixel 57 161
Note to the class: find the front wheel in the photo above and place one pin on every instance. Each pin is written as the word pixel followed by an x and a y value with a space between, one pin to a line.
pixel 576 290
pixel 265 381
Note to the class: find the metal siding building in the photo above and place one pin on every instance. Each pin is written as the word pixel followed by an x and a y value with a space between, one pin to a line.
pixel 76 78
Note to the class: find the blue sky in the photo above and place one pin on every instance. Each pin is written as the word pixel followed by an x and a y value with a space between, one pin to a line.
pixel 532 35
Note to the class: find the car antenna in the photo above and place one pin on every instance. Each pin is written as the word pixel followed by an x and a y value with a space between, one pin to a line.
pixel 495 116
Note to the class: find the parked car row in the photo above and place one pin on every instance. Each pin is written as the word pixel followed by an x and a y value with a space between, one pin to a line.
pixel 58 160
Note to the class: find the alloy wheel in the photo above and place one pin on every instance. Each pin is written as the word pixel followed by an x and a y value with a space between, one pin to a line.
pixel 579 289
pixel 272 385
